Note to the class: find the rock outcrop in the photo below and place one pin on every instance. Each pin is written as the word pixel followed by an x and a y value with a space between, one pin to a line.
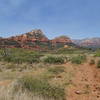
pixel 34 40
pixel 61 41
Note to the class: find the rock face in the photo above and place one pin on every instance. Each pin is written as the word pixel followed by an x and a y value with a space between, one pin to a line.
pixel 89 43
pixel 34 35
pixel 34 40
pixel 61 41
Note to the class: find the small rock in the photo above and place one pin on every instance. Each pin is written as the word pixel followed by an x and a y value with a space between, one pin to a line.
pixel 78 92
pixel 59 76
pixel 98 96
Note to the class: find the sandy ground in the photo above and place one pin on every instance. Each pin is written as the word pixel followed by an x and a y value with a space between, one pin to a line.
pixel 85 84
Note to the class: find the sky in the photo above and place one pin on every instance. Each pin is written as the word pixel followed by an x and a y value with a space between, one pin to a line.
pixel 74 18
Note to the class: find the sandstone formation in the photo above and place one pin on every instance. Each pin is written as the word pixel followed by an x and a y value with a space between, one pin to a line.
pixel 34 40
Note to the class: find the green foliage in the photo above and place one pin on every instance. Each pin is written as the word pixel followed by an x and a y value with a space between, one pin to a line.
pixel 54 60
pixel 20 56
pixel 97 53
pixel 65 51
pixel 92 62
pixel 42 87
pixel 78 59
pixel 98 64
pixel 71 50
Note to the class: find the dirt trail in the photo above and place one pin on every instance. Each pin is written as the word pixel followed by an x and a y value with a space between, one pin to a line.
pixel 86 83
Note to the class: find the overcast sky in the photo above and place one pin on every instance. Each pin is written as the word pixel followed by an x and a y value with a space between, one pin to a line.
pixel 74 18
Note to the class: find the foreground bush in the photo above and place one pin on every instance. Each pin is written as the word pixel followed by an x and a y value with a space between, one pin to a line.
pixel 98 64
pixel 92 62
pixel 97 53
pixel 54 60
pixel 41 87
pixel 78 59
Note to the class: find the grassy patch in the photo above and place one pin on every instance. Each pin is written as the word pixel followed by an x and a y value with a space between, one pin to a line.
pixel 97 53
pixel 42 87
pixel 19 55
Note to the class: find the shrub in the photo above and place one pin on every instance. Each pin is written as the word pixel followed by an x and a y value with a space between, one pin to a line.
pixel 65 51
pixel 78 59
pixel 41 87
pixel 97 53
pixel 20 56
pixel 54 60
pixel 98 64
pixel 92 62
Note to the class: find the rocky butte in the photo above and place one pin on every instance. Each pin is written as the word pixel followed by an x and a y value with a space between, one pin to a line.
pixel 34 40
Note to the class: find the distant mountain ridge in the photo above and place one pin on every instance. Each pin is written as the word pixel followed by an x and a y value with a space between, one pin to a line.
pixel 34 40
pixel 89 42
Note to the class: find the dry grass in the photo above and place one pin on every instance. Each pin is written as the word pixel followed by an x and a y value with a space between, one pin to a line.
pixel 7 93
pixel 56 75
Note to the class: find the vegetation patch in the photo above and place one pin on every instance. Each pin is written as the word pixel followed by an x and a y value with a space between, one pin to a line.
pixel 42 87
pixel 20 55
pixel 54 60
pixel 98 64
pixel 78 59
pixel 92 62
pixel 56 70
pixel 97 53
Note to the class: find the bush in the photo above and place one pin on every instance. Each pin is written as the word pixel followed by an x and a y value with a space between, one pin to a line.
pixel 97 53
pixel 78 59
pixel 65 51
pixel 41 87
pixel 54 60
pixel 20 56
pixel 98 64
pixel 92 62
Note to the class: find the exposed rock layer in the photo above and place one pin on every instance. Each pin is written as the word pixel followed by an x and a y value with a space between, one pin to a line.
pixel 34 40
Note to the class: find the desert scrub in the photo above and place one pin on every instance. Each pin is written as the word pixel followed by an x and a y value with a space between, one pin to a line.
pixel 54 60
pixel 20 56
pixel 98 64
pixel 97 53
pixel 92 62
pixel 41 87
pixel 78 59
pixel 56 70
pixel 7 93
pixel 11 66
